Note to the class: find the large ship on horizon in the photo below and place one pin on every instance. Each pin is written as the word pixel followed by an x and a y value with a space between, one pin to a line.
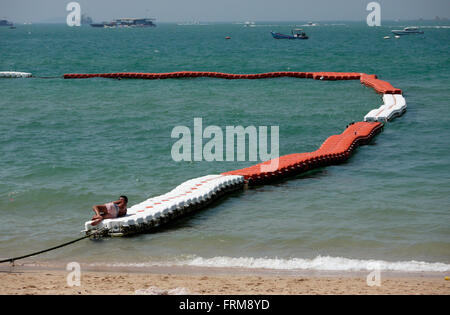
pixel 6 23
pixel 127 22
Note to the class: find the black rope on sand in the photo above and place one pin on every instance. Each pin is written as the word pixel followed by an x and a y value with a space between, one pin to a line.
pixel 11 260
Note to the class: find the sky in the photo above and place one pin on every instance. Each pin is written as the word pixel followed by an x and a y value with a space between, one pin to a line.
pixel 223 10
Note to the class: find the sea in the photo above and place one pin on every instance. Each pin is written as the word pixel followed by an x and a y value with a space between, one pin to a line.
pixel 66 145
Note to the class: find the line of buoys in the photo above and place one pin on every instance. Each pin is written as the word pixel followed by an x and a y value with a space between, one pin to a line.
pixel 220 75
pixel 334 150
pixel 14 74
pixel 380 86
pixel 332 76
pixel 199 192
pixel 370 80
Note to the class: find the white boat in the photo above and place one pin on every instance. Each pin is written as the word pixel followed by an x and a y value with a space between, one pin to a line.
pixel 310 24
pixel 408 30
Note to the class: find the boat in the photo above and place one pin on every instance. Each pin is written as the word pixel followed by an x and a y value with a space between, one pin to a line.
pixel 86 20
pixel 103 24
pixel 127 22
pixel 135 22
pixel 295 34
pixel 408 30
pixel 310 24
pixel 249 24
pixel 6 23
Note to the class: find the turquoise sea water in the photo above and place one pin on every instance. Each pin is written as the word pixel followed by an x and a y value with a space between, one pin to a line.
pixel 66 145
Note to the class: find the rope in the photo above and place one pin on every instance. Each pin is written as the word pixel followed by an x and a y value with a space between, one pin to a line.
pixel 11 260
pixel 56 77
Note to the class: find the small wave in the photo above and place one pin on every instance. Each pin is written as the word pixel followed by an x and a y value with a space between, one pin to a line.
pixel 322 263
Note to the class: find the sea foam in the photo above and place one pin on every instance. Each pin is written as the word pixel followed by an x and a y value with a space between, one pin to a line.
pixel 319 263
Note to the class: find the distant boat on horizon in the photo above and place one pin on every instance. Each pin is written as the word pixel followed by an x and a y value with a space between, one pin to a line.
pixel 296 34
pixel 127 22
pixel 310 24
pixel 408 30
pixel 6 23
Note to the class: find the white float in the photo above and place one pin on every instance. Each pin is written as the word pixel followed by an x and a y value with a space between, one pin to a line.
pixel 155 211
pixel 394 105
pixel 14 74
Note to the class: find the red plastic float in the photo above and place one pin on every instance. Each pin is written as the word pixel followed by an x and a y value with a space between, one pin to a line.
pixel 335 149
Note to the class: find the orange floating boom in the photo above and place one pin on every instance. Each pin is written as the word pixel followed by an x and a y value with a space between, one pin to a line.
pixel 366 79
pixel 335 149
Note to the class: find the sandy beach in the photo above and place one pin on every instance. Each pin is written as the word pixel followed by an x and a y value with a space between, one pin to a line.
pixel 41 281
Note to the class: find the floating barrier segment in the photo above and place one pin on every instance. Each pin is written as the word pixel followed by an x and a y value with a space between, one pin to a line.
pixel 382 87
pixel 14 74
pixel 188 197
pixel 196 193
pixel 219 75
pixel 334 150
pixel 394 105
pixel 336 76
pixel 371 80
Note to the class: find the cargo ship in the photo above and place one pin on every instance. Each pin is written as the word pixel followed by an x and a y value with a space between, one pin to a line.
pixel 127 22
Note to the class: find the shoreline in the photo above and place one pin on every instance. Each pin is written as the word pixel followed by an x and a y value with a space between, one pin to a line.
pixel 52 279
pixel 208 270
